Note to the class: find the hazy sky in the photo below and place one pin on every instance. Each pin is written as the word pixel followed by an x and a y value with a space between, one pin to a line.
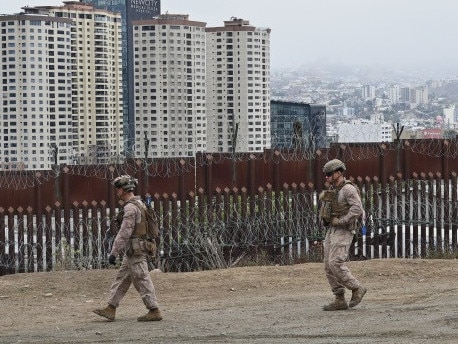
pixel 360 32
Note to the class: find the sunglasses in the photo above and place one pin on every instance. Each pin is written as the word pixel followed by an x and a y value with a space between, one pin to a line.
pixel 328 174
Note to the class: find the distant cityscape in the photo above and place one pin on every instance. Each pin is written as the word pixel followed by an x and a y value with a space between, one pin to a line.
pixel 95 83
pixel 360 109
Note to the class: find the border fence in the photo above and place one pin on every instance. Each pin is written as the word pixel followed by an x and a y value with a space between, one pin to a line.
pixel 405 218
pixel 220 210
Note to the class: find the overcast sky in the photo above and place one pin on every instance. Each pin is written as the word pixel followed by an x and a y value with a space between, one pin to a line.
pixel 355 32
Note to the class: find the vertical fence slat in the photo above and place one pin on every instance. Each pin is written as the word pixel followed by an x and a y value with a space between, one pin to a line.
pixel 166 229
pixel 431 214
pixel 176 235
pixel 439 211
pixel 47 230
pixel 416 221
pixel 60 234
pixel 3 264
pixel 21 240
pixel 396 217
pixel 454 211
pixel 29 243
pixel 75 244
pixel 93 228
pixel 9 241
pixel 446 211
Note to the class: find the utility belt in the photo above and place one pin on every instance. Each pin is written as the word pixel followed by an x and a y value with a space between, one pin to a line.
pixel 140 245
pixel 351 227
pixel 352 231
pixel 134 246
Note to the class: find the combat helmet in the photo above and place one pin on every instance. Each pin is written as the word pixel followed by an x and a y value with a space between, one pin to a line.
pixel 334 165
pixel 126 182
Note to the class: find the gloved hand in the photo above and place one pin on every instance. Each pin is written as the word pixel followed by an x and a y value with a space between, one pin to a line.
pixel 112 259
pixel 335 222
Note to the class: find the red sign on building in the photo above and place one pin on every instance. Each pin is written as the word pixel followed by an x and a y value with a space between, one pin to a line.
pixel 432 133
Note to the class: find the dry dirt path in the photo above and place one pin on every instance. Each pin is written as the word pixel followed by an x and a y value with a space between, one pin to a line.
pixel 409 301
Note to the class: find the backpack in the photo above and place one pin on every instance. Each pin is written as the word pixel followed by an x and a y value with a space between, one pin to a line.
pixel 360 224
pixel 148 228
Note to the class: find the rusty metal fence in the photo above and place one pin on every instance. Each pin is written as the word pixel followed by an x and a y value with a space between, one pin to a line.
pixel 406 218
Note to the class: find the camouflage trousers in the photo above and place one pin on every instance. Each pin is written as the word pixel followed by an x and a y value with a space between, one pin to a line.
pixel 133 270
pixel 336 250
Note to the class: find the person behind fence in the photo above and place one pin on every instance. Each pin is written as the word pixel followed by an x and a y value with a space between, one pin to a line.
pixel 134 266
pixel 340 210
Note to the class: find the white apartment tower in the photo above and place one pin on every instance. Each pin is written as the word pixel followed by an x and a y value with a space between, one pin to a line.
pixel 364 131
pixel 238 87
pixel 394 93
pixel 368 92
pixel 36 112
pixel 169 90
pixel 449 116
pixel 96 81
pixel 419 95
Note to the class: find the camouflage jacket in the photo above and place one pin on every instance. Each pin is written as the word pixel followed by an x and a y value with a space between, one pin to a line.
pixel 132 215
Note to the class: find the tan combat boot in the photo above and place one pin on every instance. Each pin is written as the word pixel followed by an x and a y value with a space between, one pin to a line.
pixel 338 304
pixel 109 312
pixel 357 296
pixel 153 315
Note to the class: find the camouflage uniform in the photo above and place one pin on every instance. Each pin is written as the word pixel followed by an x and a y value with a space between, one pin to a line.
pixel 338 240
pixel 340 210
pixel 134 269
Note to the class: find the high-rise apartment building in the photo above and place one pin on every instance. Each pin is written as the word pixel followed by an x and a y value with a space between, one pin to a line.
pixel 169 88
pixel 449 115
pixel 419 96
pixel 404 93
pixel 180 71
pixel 414 96
pixel 238 87
pixel 368 92
pixel 36 107
pixel 394 93
pixel 96 80
pixel 130 10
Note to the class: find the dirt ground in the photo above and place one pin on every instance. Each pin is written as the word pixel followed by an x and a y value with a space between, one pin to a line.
pixel 408 301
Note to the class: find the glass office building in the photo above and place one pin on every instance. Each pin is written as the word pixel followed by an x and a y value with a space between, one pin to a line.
pixel 297 126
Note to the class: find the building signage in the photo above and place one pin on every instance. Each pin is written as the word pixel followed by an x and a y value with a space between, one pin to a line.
pixel 142 7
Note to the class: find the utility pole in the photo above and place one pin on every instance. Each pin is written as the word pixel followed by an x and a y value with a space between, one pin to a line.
pixel 234 145
pixel 54 151
pixel 398 132
pixel 298 142
pixel 55 167
pixel 146 162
